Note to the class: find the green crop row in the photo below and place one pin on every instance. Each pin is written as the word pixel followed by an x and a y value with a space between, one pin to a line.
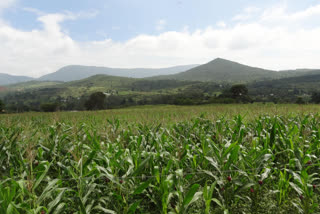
pixel 268 164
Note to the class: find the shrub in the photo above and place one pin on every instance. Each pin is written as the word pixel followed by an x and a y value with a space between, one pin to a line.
pixel 49 107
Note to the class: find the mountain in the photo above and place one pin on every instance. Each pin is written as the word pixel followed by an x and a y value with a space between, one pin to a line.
pixel 7 79
pixel 77 72
pixel 133 91
pixel 222 70
pixel 218 71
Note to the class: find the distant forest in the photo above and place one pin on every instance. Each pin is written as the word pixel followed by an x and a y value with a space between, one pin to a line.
pixel 190 94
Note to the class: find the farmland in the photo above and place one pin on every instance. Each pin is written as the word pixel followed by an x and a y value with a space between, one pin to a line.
pixel 255 158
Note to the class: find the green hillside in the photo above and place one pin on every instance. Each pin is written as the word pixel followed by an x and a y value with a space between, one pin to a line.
pixel 221 70
pixel 218 70
pixel 103 83
pixel 119 90
pixel 123 91
pixel 305 82
pixel 25 87
pixel 287 89
pixel 31 85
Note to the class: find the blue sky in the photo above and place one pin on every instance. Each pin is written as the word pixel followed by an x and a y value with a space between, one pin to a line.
pixel 124 19
pixel 43 35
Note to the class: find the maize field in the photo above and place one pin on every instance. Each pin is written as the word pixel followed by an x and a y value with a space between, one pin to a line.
pixel 205 162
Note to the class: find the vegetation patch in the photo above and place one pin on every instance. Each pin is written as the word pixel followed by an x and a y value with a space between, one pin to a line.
pixel 164 160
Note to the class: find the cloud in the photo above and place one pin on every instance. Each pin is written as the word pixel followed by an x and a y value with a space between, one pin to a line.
pixel 247 14
pixel 221 24
pixel 6 3
pixel 252 10
pixel 259 41
pixel 34 10
pixel 161 25
pixel 279 14
pixel 70 15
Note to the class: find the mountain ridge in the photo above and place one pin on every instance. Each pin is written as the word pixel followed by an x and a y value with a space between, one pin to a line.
pixel 67 73
pixel 7 79
pixel 222 70
pixel 217 70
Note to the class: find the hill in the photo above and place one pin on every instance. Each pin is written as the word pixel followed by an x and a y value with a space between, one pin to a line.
pixel 309 81
pixel 7 79
pixel 33 84
pixel 287 89
pixel 77 72
pixel 199 85
pixel 218 70
pixel 123 91
pixel 25 87
pixel 105 83
pixel 120 91
pixel 221 70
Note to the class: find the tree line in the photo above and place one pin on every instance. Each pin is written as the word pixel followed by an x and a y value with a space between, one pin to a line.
pixel 195 94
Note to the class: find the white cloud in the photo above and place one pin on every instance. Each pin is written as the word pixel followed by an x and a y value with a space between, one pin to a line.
pixel 33 10
pixel 161 24
pixel 67 14
pixel 252 10
pixel 256 42
pixel 279 14
pixel 6 3
pixel 221 24
pixel 247 14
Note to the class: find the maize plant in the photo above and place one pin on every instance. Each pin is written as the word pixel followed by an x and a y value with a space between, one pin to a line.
pixel 229 164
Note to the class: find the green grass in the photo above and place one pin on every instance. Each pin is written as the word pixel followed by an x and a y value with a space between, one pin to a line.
pixel 162 159
pixel 32 84
pixel 29 86
pixel 170 114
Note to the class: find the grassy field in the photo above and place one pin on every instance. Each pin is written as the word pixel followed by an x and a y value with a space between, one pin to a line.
pixel 167 114
pixel 256 158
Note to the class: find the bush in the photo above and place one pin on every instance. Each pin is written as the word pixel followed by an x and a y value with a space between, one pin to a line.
pixel 49 107
pixel 315 98
pixel 1 106
pixel 300 101
pixel 96 101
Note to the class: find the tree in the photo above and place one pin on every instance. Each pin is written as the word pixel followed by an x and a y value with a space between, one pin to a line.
pixel 96 101
pixel 1 106
pixel 49 107
pixel 300 100
pixel 114 101
pixel 315 98
pixel 238 91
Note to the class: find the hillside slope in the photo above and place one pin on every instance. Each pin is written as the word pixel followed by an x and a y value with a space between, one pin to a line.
pixel 7 79
pixel 77 72
pixel 308 82
pixel 221 70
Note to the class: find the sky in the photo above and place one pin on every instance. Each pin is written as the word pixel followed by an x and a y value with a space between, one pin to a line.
pixel 38 37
